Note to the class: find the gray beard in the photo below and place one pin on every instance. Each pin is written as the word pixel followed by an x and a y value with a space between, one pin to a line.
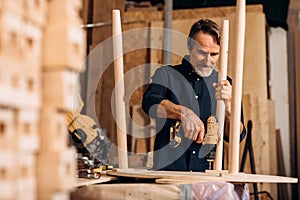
pixel 203 74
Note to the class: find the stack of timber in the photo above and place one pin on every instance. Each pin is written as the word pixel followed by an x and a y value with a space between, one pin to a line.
pixel 63 54
pixel 41 51
pixel 20 103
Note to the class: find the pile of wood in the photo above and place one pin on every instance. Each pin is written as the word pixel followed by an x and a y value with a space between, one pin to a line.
pixel 41 51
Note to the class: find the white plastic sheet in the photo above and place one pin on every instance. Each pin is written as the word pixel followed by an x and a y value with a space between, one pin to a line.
pixel 214 191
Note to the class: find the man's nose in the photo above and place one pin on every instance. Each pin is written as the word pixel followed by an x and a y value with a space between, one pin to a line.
pixel 207 59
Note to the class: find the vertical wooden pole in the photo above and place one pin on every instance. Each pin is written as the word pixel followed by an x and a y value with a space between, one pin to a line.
pixel 220 104
pixel 167 42
pixel 235 118
pixel 119 90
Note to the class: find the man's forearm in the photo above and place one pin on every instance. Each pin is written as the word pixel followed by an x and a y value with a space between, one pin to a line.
pixel 167 109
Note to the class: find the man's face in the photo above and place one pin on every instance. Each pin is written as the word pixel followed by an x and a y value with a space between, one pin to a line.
pixel 204 54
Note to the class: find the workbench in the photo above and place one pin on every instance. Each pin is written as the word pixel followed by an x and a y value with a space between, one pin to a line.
pixel 149 184
pixel 139 188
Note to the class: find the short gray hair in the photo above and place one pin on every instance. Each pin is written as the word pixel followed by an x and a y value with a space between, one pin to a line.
pixel 206 26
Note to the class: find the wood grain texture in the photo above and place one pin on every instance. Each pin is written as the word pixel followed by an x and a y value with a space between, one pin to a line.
pixel 238 66
pixel 201 176
pixel 220 103
pixel 119 90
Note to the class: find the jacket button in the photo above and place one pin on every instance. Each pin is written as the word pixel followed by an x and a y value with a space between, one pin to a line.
pixel 194 152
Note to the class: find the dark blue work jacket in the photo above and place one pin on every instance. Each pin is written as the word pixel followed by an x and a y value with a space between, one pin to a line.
pixel 180 85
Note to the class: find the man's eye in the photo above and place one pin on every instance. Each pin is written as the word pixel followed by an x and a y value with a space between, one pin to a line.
pixel 203 53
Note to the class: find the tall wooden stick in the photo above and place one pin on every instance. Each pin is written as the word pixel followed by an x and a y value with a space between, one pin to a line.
pixel 235 118
pixel 119 90
pixel 167 42
pixel 220 104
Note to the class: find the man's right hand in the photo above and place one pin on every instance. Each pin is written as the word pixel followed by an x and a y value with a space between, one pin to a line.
pixel 192 125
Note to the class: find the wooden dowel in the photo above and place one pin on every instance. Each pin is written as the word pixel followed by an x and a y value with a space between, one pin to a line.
pixel 119 90
pixel 234 137
pixel 220 103
pixel 167 42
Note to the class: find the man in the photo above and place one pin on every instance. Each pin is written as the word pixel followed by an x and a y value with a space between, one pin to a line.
pixel 187 93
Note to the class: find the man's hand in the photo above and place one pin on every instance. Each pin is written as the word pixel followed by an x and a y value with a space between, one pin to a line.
pixel 223 92
pixel 192 125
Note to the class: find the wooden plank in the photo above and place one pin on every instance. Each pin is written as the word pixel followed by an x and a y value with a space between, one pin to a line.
pixel 292 105
pixel 39 15
pixel 27 137
pixel 139 134
pixel 7 174
pixel 189 13
pixel 58 89
pixel 297 85
pixel 84 182
pixel 55 171
pixel 85 11
pixel 54 135
pixel 127 191
pixel 293 16
pixel 26 181
pixel 7 129
pixel 272 146
pixel 202 176
pixel 282 188
pixel 102 9
pixel 136 55
pixel 102 13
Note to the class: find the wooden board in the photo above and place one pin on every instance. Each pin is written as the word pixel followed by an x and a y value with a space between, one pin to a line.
pixel 272 146
pixel 190 13
pixel 297 72
pixel 103 179
pixel 130 191
pixel 189 177
pixel 133 191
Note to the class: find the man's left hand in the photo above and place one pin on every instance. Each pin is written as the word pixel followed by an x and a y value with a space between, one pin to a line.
pixel 223 92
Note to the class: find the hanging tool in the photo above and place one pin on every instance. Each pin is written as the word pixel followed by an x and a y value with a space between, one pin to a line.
pixel 87 169
pixel 175 138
